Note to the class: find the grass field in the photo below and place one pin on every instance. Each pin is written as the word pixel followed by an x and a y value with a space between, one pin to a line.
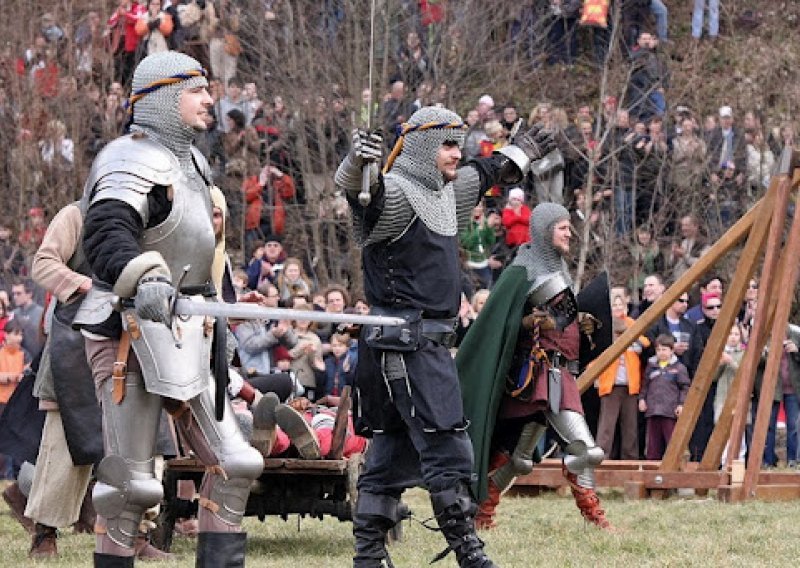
pixel 534 531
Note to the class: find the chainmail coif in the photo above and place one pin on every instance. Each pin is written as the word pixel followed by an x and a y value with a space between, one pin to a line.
pixel 539 257
pixel 415 172
pixel 157 113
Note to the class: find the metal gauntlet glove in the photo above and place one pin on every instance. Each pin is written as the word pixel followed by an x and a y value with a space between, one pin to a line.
pixel 152 300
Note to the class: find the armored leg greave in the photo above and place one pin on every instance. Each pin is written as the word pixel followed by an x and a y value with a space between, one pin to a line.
pixel 126 482
pixel 455 511
pixel 233 463
pixel 374 517
pixel 583 455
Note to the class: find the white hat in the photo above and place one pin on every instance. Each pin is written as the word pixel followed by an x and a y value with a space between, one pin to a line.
pixel 726 111
pixel 486 100
pixel 516 193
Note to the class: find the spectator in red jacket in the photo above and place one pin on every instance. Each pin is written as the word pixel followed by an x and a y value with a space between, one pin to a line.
pixel 516 218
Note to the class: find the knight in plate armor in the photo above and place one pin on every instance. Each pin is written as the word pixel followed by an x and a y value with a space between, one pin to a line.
pixel 518 365
pixel 148 235
pixel 407 392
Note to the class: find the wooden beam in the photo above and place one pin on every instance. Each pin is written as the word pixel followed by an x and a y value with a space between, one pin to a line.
pixel 770 377
pixel 780 185
pixel 709 361
pixel 744 272
pixel 618 478
pixel 774 493
pixel 730 239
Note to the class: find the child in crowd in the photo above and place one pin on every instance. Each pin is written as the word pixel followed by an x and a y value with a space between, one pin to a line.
pixel 729 363
pixel 665 386
pixel 306 355
pixel 340 369
pixel 13 361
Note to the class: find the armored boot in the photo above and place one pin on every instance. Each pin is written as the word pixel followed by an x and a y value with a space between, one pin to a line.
pixel 43 542
pixel 454 510
pixel 488 508
pixel 221 550
pixel 374 517
pixel 144 550
pixel 587 501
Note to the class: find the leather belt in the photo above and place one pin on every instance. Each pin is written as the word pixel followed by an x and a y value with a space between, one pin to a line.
pixel 558 360
pixel 441 331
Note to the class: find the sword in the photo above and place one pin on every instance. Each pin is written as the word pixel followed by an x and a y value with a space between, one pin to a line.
pixel 186 307
pixel 364 196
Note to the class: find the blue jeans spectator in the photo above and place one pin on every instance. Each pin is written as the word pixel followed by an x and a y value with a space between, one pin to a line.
pixel 563 41
pixel 713 18
pixel 660 13
pixel 792 407
pixel 790 404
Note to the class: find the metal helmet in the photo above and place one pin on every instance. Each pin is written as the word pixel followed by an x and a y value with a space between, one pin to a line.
pixel 412 166
pixel 158 82
pixel 540 257
pixel 553 293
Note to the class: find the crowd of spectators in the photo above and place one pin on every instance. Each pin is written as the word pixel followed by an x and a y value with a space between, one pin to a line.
pixel 663 180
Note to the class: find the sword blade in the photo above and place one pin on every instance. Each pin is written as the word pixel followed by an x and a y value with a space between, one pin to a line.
pixel 186 307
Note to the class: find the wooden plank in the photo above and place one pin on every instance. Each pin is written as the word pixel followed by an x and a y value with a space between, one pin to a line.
pixel 706 369
pixel 730 239
pixel 729 493
pixel 770 377
pixel 616 478
pixel 744 272
pixel 780 184
pixel 340 425
pixel 635 491
pixel 607 464
pixel 776 492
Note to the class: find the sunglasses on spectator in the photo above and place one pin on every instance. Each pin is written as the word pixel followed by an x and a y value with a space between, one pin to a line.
pixel 683 300
pixel 713 306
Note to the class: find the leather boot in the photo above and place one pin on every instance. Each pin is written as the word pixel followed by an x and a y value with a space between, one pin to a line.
pixel 370 535
pixel 111 561
pixel 87 516
pixel 374 517
pixel 488 508
pixel 299 431
pixel 221 550
pixel 17 502
pixel 455 510
pixel 43 542
pixel 587 501
pixel 144 550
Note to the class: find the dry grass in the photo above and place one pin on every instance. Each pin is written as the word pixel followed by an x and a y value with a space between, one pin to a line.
pixel 541 531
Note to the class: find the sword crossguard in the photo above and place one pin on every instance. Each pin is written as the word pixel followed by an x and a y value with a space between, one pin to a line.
pixel 176 334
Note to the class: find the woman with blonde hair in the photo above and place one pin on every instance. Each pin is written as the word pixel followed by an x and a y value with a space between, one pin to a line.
pixel 292 280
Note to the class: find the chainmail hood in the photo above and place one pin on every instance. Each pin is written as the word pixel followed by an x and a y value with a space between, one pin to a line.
pixel 539 257
pixel 414 169
pixel 155 108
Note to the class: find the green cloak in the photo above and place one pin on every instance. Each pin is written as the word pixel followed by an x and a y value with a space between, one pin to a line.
pixel 483 361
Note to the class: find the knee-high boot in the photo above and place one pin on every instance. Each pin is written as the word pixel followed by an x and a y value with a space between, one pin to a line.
pixel 487 510
pixel 374 517
pixel 587 501
pixel 455 513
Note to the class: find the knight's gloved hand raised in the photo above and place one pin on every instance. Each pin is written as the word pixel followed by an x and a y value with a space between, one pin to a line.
pixel 536 142
pixel 152 300
pixel 367 146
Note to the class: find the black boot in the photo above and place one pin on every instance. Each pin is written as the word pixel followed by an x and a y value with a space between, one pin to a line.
pixel 455 512
pixel 111 561
pixel 221 550
pixel 375 516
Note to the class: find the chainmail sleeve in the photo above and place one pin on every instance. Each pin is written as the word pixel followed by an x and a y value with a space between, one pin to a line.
pixel 467 188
